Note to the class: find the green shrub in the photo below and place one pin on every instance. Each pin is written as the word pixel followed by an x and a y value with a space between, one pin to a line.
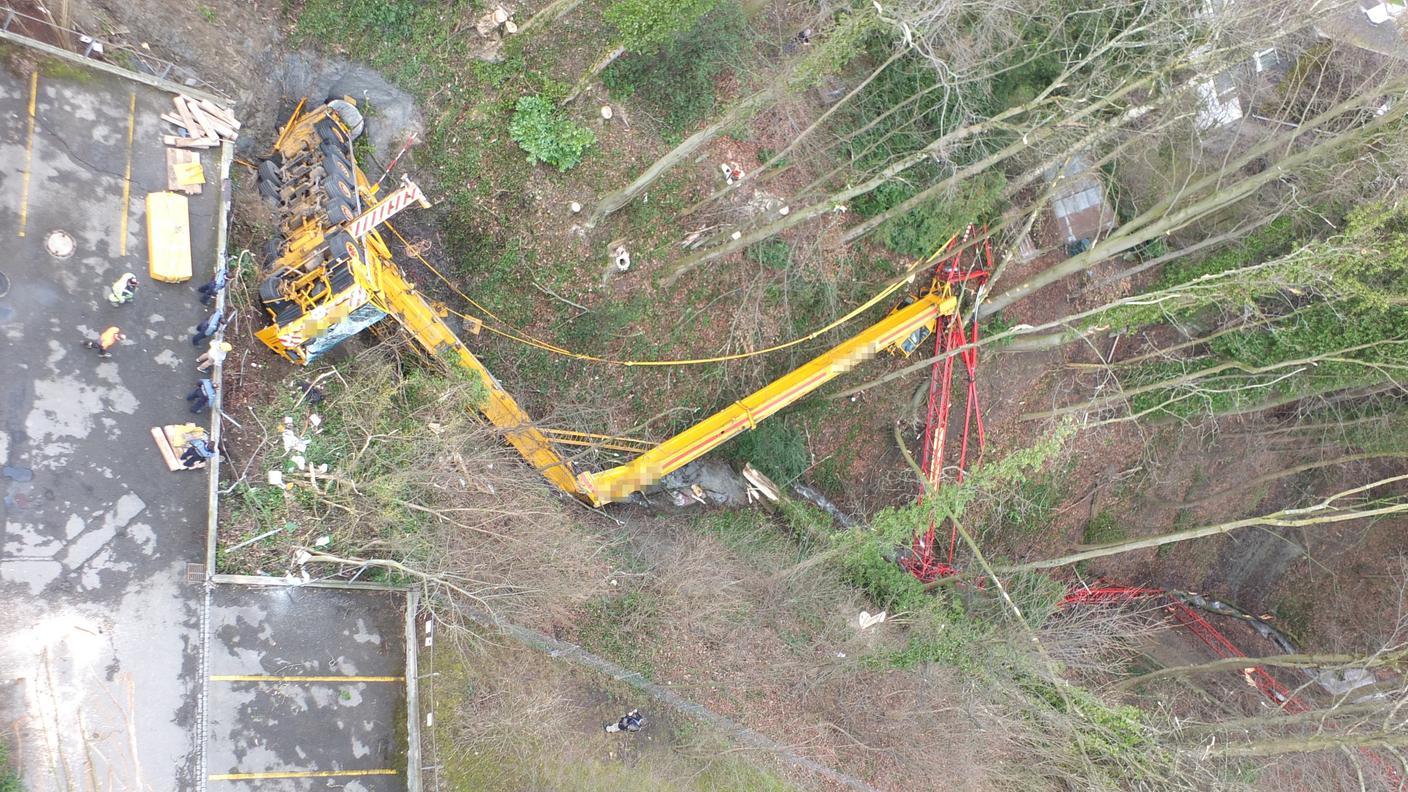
pixel 1102 529
pixel 542 131
pixel 923 229
pixel 776 447
pixel 773 254
pixel 675 83
pixel 646 25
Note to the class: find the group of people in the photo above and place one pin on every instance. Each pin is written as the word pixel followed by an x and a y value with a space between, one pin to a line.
pixel 124 291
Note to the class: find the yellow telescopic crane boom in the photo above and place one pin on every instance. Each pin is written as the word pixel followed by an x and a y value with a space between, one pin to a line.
pixel 909 322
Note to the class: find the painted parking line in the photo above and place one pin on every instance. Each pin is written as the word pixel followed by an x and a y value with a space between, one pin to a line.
pixel 127 176
pixel 263 678
pixel 28 149
pixel 300 774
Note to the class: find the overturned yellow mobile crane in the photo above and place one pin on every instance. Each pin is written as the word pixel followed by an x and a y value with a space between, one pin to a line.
pixel 330 275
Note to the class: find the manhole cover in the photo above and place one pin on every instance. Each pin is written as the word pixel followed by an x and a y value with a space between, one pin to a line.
pixel 59 244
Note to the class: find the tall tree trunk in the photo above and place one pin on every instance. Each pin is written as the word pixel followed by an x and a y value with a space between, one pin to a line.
pixel 741 109
pixel 597 68
pixel 782 155
pixel 1324 512
pixel 550 13
pixel 1159 220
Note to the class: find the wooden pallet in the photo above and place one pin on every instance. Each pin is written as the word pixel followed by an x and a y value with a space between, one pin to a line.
pixel 183 171
pixel 173 440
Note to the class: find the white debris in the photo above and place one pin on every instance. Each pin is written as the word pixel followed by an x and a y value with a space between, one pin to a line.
pixel 622 259
pixel 298 461
pixel 606 112
pixel 276 478
pixel 867 620
pixel 322 541
pixel 575 207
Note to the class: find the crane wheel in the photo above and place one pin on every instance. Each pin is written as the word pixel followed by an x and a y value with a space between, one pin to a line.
pixel 341 170
pixel 342 246
pixel 330 131
pixel 335 152
pixel 269 172
pixel 340 188
pixel 339 212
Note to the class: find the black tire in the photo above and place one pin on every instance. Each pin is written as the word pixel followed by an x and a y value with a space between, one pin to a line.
pixel 339 212
pixel 341 169
pixel 341 246
pixel 332 152
pixel 269 172
pixel 272 248
pixel 331 132
pixel 269 292
pixel 340 188
pixel 269 191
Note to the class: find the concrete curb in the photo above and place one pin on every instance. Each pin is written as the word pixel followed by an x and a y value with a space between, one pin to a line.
pixel 92 63
pixel 413 759
pixel 262 580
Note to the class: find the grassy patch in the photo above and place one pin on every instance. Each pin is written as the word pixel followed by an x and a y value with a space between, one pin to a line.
pixel 619 626
pixel 1103 528
pixel 540 129
pixel 676 83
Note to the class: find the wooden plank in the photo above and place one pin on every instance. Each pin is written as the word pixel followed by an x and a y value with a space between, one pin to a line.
pixel 220 114
pixel 213 128
pixel 190 122
pixel 168 237
pixel 189 143
pixel 175 120
pixel 175 158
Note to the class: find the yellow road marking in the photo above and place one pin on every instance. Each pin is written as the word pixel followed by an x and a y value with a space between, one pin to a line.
pixel 299 774
pixel 127 176
pixel 28 149
pixel 262 678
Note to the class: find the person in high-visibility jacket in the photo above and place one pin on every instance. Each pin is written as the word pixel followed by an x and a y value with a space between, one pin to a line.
pixel 123 290
pixel 106 340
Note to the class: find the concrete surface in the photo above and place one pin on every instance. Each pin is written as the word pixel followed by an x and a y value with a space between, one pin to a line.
pixel 99 663
pixel 103 685
pixel 263 725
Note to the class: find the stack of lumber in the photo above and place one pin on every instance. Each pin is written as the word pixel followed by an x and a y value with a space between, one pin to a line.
pixel 204 123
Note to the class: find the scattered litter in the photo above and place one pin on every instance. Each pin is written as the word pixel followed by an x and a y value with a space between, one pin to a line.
pixel 298 461
pixel 732 172
pixel 575 207
pixel 435 427
pixel 322 541
pixel 606 112
pixel 735 235
pixel 867 620
pixel 841 655
pixel 315 419
pixel 276 478
pixel 784 211
pixel 614 583
pixel 622 259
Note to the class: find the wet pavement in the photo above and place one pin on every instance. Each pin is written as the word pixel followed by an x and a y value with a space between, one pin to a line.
pixel 268 719
pixel 102 551
pixel 99 663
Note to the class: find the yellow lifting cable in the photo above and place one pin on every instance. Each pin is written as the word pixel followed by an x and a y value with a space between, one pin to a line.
pixel 544 345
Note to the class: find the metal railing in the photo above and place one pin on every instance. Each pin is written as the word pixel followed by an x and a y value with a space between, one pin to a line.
pixel 113 53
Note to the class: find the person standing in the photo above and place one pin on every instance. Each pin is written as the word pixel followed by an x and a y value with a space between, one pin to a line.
pixel 201 395
pixel 106 340
pixel 213 356
pixel 207 328
pixel 209 290
pixel 198 450
pixel 123 290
